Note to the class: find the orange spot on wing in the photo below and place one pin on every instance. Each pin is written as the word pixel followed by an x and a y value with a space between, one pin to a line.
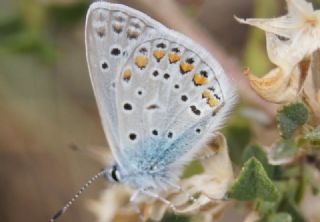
pixel 174 57
pixel 141 61
pixel 127 74
pixel 158 54
pixel 186 67
pixel 213 101
pixel 207 94
pixel 199 79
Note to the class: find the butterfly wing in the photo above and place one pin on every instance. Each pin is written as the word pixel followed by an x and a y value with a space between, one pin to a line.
pixel 161 96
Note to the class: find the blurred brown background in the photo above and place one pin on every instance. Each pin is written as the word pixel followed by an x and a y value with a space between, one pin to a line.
pixel 46 100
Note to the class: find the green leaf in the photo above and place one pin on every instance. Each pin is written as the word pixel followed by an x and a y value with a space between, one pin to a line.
pixel 279 217
pixel 238 137
pixel 292 117
pixel 314 135
pixel 253 183
pixel 257 151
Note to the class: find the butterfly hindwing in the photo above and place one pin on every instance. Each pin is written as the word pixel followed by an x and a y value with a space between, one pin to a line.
pixel 171 103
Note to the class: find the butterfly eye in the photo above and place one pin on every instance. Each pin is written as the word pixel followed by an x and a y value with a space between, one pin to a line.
pixel 114 173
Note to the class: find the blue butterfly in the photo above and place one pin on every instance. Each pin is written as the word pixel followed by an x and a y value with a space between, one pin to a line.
pixel 161 97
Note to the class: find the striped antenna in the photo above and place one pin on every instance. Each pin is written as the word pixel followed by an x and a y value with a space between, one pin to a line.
pixel 76 196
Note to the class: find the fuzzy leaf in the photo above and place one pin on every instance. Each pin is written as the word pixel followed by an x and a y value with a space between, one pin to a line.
pixel 253 183
pixel 292 117
pixel 256 151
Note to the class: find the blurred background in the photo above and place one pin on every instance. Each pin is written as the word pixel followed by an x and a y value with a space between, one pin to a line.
pixel 49 125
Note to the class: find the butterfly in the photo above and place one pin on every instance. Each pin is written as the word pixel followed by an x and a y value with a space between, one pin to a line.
pixel 161 97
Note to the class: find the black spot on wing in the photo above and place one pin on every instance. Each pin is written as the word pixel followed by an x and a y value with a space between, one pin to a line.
pixel 195 110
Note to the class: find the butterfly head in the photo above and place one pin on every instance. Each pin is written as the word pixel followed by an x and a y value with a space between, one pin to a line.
pixel 113 174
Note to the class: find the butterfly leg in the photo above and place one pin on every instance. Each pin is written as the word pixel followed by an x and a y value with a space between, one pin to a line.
pixel 133 201
pixel 180 189
pixel 156 196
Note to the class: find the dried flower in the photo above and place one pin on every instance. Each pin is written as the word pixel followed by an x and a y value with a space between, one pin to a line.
pixel 292 43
